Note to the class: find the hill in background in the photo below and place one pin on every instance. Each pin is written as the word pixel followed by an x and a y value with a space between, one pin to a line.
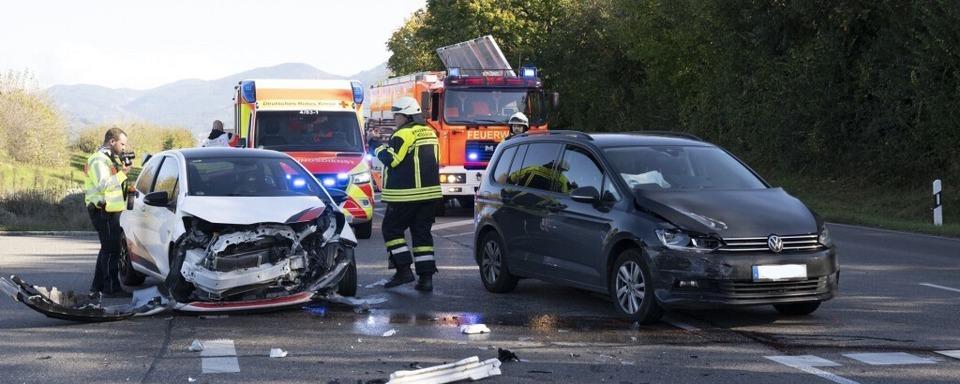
pixel 189 103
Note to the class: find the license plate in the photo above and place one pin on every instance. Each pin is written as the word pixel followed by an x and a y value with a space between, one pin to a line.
pixel 779 272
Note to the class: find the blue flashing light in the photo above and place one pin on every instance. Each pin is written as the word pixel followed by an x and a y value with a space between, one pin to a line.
pixel 473 156
pixel 299 183
pixel 288 177
pixel 528 72
pixel 357 92
pixel 329 182
pixel 342 176
pixel 248 90
pixel 368 157
pixel 454 72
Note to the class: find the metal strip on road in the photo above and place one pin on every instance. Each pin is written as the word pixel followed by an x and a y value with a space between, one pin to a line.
pixel 219 356
pixel 940 287
pixel 807 363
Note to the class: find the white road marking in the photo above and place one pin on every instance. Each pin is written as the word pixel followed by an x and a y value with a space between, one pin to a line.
pixel 219 356
pixel 940 287
pixel 453 224
pixel 952 353
pixel 889 358
pixel 804 362
pixel 679 324
pixel 458 235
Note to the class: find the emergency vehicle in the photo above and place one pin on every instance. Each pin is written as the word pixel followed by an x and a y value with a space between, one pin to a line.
pixel 468 107
pixel 318 123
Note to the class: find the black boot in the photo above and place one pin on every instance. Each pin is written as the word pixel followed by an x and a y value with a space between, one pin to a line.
pixel 425 283
pixel 404 275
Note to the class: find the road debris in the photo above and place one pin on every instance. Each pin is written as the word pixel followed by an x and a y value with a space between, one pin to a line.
pixel 471 329
pixel 390 333
pixel 539 371
pixel 470 368
pixel 210 317
pixel 380 282
pixel 277 353
pixel 196 346
pixel 191 380
pixel 47 357
pixel 506 356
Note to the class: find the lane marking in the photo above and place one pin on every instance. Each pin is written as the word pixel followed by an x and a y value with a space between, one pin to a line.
pixel 952 353
pixel 679 324
pixel 889 358
pixel 804 362
pixel 453 224
pixel 940 287
pixel 457 235
pixel 219 356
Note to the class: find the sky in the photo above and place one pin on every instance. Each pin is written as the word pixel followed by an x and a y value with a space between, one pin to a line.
pixel 144 44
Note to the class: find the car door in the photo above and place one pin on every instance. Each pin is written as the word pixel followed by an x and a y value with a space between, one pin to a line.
pixel 133 219
pixel 159 221
pixel 577 230
pixel 529 199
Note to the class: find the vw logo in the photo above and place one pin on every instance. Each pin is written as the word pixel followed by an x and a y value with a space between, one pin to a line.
pixel 775 243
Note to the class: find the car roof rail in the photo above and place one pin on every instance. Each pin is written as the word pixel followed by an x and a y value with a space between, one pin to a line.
pixel 556 132
pixel 684 135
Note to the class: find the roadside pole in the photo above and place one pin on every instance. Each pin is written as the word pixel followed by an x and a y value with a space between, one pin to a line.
pixel 937 203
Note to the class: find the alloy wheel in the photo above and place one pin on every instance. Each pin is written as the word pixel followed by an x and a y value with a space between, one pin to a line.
pixel 491 261
pixel 630 286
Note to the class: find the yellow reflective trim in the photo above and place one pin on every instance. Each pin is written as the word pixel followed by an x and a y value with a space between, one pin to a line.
pixel 423 249
pixel 396 242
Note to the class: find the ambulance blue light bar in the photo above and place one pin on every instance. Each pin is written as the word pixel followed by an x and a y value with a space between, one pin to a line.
pixel 454 72
pixel 528 72
pixel 248 90
pixel 357 92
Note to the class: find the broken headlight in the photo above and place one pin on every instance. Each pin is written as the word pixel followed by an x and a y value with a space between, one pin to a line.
pixel 824 238
pixel 678 240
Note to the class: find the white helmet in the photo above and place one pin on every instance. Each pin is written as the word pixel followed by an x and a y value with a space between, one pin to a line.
pixel 406 106
pixel 519 119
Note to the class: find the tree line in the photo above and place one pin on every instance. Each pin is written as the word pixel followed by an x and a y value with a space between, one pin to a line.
pixel 863 90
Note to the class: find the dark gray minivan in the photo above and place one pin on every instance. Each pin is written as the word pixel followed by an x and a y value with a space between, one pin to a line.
pixel 654 220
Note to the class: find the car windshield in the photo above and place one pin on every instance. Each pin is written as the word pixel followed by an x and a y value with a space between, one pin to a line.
pixel 308 130
pixel 492 106
pixel 250 177
pixel 680 168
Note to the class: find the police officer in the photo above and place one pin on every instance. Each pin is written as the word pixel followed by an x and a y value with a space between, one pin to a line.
pixel 518 124
pixel 411 188
pixel 103 194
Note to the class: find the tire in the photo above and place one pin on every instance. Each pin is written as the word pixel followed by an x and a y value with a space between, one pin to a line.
pixel 363 230
pixel 494 272
pixel 125 272
pixel 348 284
pixel 180 289
pixel 628 283
pixel 797 309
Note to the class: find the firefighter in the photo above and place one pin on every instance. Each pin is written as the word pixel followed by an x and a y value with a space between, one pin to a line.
pixel 219 138
pixel 518 124
pixel 411 189
pixel 103 194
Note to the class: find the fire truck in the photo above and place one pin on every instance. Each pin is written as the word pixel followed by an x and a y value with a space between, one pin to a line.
pixel 468 107
pixel 318 123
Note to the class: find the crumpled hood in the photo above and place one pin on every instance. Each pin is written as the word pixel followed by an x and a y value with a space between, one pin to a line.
pixel 740 213
pixel 253 210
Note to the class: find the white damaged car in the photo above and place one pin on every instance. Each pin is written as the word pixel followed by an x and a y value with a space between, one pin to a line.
pixel 220 229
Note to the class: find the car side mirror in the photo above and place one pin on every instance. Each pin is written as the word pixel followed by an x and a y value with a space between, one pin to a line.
pixel 157 199
pixel 554 100
pixel 585 195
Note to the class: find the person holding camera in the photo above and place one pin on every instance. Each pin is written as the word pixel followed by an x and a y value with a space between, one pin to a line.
pixel 106 170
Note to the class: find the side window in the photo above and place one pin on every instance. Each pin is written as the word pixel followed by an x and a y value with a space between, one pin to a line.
pixel 609 191
pixel 503 165
pixel 577 170
pixel 167 179
pixel 148 174
pixel 537 170
pixel 515 164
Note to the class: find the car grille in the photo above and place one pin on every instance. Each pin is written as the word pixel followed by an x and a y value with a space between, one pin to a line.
pixel 773 289
pixel 793 243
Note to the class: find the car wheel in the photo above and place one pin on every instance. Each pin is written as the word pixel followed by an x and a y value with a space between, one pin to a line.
pixel 128 276
pixel 493 267
pixel 797 309
pixel 363 230
pixel 348 284
pixel 180 289
pixel 631 288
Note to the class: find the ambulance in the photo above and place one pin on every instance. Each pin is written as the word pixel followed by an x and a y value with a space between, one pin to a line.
pixel 318 123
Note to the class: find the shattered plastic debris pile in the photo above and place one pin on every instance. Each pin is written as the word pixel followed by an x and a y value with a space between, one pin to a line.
pixel 470 368
pixel 472 329
pixel 87 308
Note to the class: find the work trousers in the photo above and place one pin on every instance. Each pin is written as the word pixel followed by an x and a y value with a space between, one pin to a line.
pixel 107 224
pixel 418 217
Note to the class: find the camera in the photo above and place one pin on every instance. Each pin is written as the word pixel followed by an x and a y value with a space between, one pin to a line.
pixel 127 157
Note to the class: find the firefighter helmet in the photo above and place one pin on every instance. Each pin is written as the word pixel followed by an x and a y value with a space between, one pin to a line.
pixel 406 106
pixel 519 119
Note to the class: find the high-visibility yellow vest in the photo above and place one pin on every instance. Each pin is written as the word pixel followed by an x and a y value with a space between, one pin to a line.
pixel 411 169
pixel 103 185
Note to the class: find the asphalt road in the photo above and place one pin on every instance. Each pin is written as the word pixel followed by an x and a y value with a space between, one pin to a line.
pixel 900 297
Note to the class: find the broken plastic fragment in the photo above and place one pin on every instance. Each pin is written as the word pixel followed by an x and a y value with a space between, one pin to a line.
pixel 355 301
pixel 378 283
pixel 196 346
pixel 471 329
pixel 390 333
pixel 470 368
pixel 277 353
pixel 191 380
pixel 506 356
